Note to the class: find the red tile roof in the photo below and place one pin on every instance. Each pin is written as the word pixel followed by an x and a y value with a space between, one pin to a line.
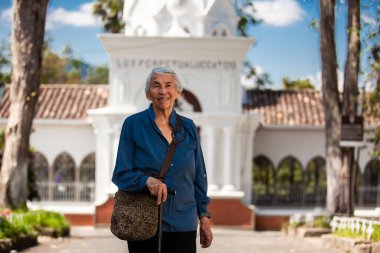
pixel 287 107
pixel 281 107
pixel 58 101
pixel 291 107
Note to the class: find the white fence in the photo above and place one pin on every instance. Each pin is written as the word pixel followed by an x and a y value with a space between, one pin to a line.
pixel 66 191
pixel 361 226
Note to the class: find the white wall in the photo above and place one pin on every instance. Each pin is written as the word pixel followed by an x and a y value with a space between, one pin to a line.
pixel 52 137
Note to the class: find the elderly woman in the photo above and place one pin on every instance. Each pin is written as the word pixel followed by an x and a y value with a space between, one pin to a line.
pixel 144 140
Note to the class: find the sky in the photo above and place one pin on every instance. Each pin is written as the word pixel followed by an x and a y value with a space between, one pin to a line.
pixel 286 44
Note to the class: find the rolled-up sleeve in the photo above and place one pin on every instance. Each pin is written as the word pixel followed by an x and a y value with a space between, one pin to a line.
pixel 200 178
pixel 125 177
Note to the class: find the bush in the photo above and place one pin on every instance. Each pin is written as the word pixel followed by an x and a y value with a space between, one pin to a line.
pixel 44 219
pixel 21 223
pixel 15 228
pixel 321 222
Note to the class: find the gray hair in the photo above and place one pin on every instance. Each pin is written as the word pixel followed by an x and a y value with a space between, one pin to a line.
pixel 163 71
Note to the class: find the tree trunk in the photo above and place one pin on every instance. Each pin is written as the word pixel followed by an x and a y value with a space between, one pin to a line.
pixel 27 38
pixel 350 95
pixel 330 102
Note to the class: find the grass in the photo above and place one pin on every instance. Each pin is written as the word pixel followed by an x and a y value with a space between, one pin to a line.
pixel 346 232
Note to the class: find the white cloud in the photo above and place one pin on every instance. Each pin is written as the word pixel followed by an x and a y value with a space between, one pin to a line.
pixel 82 17
pixel 6 15
pixel 277 12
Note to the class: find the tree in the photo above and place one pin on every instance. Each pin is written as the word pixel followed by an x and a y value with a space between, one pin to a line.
pixel 111 12
pixel 331 103
pixel 298 84
pixel 261 80
pixel 246 19
pixel 350 99
pixel 98 76
pixel 53 68
pixel 27 41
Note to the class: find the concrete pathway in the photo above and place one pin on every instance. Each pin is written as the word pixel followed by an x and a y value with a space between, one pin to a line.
pixel 99 240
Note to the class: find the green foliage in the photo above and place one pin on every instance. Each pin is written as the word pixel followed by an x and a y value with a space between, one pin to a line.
pixel 298 84
pixel 261 80
pixel 53 69
pixel 321 222
pixel 98 76
pixel 315 23
pixel 14 228
pixel 28 222
pixel 111 13
pixel 46 219
pixel 5 63
pixel 296 224
pixel 246 19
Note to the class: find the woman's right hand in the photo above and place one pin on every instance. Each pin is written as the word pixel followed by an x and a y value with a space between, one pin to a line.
pixel 158 189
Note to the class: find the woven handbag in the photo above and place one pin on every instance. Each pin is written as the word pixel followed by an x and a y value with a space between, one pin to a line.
pixel 136 216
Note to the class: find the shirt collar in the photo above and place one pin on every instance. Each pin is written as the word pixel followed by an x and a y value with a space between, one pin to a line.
pixel 172 117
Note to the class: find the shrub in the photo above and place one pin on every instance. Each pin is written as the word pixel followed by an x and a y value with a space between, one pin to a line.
pixel 20 223
pixel 15 228
pixel 45 219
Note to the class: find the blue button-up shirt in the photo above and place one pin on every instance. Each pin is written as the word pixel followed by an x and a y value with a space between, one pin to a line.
pixel 142 149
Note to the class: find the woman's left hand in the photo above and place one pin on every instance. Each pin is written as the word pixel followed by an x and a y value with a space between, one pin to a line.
pixel 205 232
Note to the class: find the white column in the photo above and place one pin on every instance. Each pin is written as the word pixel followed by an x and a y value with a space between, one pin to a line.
pixel 227 157
pixel 250 125
pixel 103 158
pixel 208 142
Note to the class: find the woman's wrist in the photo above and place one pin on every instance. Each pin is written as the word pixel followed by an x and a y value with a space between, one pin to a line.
pixel 205 214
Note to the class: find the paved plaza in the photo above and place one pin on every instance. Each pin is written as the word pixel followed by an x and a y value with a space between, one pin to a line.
pixel 99 240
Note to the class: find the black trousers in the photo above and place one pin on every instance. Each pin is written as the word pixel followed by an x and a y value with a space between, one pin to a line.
pixel 172 242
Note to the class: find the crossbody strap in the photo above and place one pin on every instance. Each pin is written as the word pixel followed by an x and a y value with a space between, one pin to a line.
pixel 177 137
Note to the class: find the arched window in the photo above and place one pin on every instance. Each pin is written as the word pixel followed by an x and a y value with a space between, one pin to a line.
pixel 315 182
pixel 263 181
pixel 40 166
pixel 372 173
pixel 64 168
pixel 369 185
pixel 188 102
pixel 87 178
pixel 87 168
pixel 289 182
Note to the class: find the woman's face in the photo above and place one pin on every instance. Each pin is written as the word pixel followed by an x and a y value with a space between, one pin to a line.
pixel 163 91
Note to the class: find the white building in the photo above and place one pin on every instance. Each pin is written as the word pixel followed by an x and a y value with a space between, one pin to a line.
pixel 280 132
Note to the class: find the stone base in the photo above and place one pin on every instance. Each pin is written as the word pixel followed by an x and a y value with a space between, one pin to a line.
pixel 80 219
pixel 353 245
pixel 231 212
pixel 312 232
pixel 271 222
pixel 103 212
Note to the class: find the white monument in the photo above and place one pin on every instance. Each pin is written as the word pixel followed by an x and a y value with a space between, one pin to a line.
pixel 197 39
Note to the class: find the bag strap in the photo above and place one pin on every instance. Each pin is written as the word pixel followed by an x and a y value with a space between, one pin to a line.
pixel 171 150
